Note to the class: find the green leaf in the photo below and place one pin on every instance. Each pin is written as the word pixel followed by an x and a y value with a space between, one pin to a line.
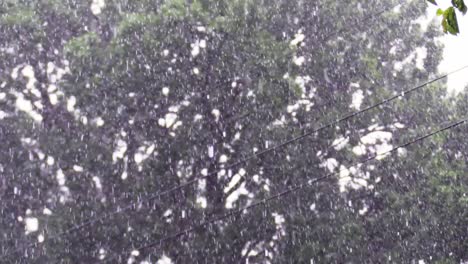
pixel 449 22
pixel 440 12
pixel 432 2
pixel 460 5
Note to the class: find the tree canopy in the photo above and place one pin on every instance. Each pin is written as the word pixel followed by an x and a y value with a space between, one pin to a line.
pixel 105 104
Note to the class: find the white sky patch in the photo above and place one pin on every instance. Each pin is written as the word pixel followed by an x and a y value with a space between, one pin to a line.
pixel 223 159
pixel 60 177
pixel 174 108
pixel 382 150
pixel 143 153
pixel 50 160
pixel 372 139
pixel 397 9
pixel 97 182
pixel 38 104
pixel 242 172
pixel 201 201
pixel 298 38
pixel 292 108
pixel 400 65
pixel 279 219
pixel 375 127
pixel 343 179
pixel 418 55
pixel 97 6
pixel 357 98
pixel 71 102
pixel 120 150
pixel 170 119
pixel 139 157
pixel 302 81
pixel 298 60
pixel 398 125
pixel 162 122
pixel 27 107
pixel 234 196
pixel 31 224
pixel 235 179
pixel 47 211
pixel 196 71
pixel 195 50
pixel 28 72
pixel 53 98
pixel 167 213
pixel 84 120
pixel 150 149
pixel 124 175
pixel 256 178
pixel 40 154
pixel 77 168
pixel 14 72
pixel 211 151
pixel 50 67
pixel 221 173
pixel 99 121
pixel 455 53
pixel 64 194
pixel 402 152
pixel 216 113
pixel 359 150
pixel 330 164
pixel 52 88
pixel 363 210
pixel 102 253
pixel 202 43
pixel 340 143
pixel 40 238
pixel 421 54
pixel 375 136
pixel 165 91
pixel 352 178
pixel 199 44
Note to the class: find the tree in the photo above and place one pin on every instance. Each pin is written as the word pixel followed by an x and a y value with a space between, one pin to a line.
pixel 131 99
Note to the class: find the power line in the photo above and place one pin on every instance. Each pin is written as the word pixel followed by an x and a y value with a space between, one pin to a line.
pixel 292 189
pixel 242 161
pixel 92 221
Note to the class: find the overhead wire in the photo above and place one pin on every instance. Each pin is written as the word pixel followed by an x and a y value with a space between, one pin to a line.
pixel 291 190
pixel 246 159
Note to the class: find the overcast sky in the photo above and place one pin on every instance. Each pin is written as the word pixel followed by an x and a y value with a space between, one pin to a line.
pixel 456 49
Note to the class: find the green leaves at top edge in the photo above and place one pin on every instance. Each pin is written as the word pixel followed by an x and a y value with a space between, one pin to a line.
pixel 449 21
pixel 460 5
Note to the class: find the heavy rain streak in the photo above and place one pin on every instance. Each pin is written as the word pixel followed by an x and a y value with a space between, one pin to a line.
pixel 232 131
